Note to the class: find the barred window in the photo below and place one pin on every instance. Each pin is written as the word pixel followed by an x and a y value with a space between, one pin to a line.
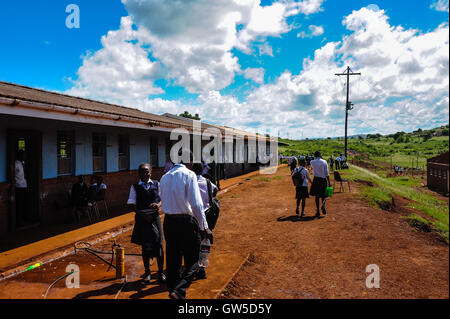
pixel 154 161
pixel 98 152
pixel 65 152
pixel 124 153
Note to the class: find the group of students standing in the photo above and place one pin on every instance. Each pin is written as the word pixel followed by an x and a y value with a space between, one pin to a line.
pixel 301 178
pixel 340 162
pixel 183 195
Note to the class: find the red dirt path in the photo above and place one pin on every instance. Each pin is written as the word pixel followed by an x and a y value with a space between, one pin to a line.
pixel 326 257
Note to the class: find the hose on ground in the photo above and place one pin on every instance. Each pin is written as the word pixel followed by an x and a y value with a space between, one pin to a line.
pixel 62 277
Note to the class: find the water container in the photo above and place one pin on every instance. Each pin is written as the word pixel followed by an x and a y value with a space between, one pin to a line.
pixel 205 248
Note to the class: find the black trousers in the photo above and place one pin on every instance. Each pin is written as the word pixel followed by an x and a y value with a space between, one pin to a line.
pixel 182 241
pixel 21 205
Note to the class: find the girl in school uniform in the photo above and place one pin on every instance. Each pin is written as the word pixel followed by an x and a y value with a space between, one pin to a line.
pixel 301 192
pixel 144 199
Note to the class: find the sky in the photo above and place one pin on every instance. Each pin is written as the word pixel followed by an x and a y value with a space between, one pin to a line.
pixel 256 65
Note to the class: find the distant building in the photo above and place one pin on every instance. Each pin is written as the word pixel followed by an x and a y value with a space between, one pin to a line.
pixel 66 136
pixel 438 173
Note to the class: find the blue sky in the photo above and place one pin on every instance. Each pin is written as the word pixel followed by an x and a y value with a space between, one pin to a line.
pixel 237 65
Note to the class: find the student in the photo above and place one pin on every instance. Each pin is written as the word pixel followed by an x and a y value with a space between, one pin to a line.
pixel 96 190
pixel 292 163
pixel 203 186
pixel 184 226
pixel 320 182
pixel 21 189
pixel 301 192
pixel 337 162
pixel 144 199
pixel 168 166
pixel 331 161
pixel 78 198
pixel 308 160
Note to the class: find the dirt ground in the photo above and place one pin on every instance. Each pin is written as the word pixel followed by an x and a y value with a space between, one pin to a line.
pixel 281 256
pixel 326 257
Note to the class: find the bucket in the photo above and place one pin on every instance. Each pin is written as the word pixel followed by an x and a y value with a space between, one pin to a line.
pixel 329 191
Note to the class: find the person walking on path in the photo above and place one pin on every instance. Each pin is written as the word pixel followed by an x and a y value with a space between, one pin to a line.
pixel 203 186
pixel 184 226
pixel 292 163
pixel 301 191
pixel 145 200
pixel 320 182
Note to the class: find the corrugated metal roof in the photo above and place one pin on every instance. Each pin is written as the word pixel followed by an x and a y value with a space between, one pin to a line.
pixel 20 92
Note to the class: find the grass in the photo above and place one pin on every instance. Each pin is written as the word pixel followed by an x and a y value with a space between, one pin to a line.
pixel 377 197
pixel 380 194
pixel 412 150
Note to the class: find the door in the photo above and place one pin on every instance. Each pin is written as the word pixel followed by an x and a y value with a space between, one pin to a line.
pixel 30 142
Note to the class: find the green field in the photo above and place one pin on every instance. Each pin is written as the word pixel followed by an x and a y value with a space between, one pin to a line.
pixel 403 149
pixel 380 195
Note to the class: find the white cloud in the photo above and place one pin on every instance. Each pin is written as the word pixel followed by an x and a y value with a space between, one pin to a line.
pixel 404 84
pixel 120 71
pixel 404 81
pixel 255 74
pixel 440 5
pixel 314 31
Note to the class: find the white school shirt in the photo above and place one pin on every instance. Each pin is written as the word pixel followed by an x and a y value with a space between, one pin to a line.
pixel 180 194
pixel 320 167
pixel 203 186
pixel 19 175
pixel 304 173
pixel 206 169
pixel 132 195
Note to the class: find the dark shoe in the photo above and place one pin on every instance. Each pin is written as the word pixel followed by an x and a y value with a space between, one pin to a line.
pixel 302 214
pixel 296 211
pixel 317 214
pixel 324 211
pixel 161 278
pixel 175 295
pixel 201 274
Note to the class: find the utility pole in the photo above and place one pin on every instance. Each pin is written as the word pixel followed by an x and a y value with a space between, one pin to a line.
pixel 348 104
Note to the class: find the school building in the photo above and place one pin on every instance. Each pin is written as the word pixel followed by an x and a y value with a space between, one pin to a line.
pixel 438 173
pixel 65 136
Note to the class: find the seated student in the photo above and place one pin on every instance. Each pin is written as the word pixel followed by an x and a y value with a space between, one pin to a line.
pixel 145 200
pixel 79 197
pixel 301 191
pixel 96 190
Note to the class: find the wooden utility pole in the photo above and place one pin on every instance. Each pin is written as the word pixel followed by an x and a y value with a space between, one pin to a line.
pixel 348 104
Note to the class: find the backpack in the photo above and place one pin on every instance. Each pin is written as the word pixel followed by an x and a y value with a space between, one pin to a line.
pixel 212 213
pixel 297 177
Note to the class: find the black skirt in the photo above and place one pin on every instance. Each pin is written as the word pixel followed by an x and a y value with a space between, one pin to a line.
pixel 148 234
pixel 318 187
pixel 301 192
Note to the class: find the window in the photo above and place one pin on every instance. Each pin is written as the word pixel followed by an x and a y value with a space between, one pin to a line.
pixel 154 151
pixel 98 152
pixel 124 153
pixel 65 152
